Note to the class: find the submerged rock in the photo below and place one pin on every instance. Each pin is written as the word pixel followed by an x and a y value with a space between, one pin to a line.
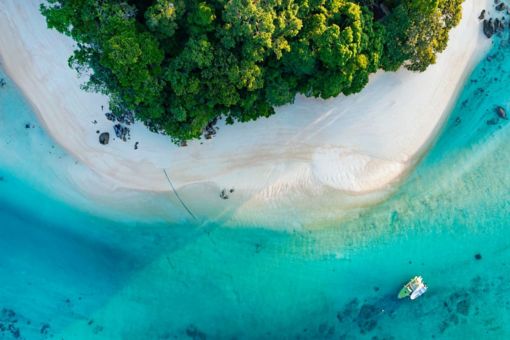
pixel 501 112
pixel 194 333
pixel 366 319
pixel 463 307
pixel 498 25
pixel 122 132
pixel 492 121
pixel 348 312
pixel 44 328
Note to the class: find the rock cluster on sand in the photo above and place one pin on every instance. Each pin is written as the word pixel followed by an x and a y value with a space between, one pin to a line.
pixel 492 26
pixel 210 130
pixel 224 194
pixel 122 132
pixel 126 117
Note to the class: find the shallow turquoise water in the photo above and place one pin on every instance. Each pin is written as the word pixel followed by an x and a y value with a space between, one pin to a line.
pixel 67 274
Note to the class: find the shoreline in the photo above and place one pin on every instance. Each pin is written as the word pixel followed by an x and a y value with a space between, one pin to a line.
pixel 338 158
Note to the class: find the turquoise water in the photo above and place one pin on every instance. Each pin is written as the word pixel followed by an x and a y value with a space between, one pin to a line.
pixel 67 274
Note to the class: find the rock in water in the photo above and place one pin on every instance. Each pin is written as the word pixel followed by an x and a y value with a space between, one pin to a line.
pixel 501 7
pixel 104 138
pixel 501 112
pixel 498 25
pixel 488 28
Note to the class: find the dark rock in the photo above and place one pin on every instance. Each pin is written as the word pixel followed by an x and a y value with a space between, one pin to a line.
pixel 8 314
pixel 501 112
pixel 104 138
pixel 98 329
pixel 366 318
pixel 482 15
pixel 443 326
pixel 194 333
pixel 488 28
pixel 121 132
pixel 492 121
pixel 97 131
pixel 136 146
pixel 498 25
pixel 501 7
pixel 27 126
pixel 126 117
pixel 223 194
pixel 2 82
pixel 349 311
pixel 44 328
pixel 368 311
pixel 478 256
pixel 15 332
pixel 209 130
pixel 367 326
pixel 323 327
pixel 110 116
pixel 454 319
pixel 231 190
pixel 463 307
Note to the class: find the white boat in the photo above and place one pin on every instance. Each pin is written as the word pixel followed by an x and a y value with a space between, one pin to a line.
pixel 419 291
pixel 414 288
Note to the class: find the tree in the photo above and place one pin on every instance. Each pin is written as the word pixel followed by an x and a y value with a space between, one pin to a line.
pixel 181 64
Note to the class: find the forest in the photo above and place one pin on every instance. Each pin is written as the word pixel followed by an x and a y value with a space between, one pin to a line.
pixel 180 65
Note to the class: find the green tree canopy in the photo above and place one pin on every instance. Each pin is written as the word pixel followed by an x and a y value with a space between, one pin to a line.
pixel 181 64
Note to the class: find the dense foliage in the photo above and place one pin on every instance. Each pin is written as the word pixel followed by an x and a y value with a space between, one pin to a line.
pixel 180 64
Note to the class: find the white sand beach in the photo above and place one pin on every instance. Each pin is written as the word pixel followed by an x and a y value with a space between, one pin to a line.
pixel 315 160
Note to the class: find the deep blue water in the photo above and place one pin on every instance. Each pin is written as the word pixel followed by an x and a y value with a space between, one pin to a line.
pixel 66 273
